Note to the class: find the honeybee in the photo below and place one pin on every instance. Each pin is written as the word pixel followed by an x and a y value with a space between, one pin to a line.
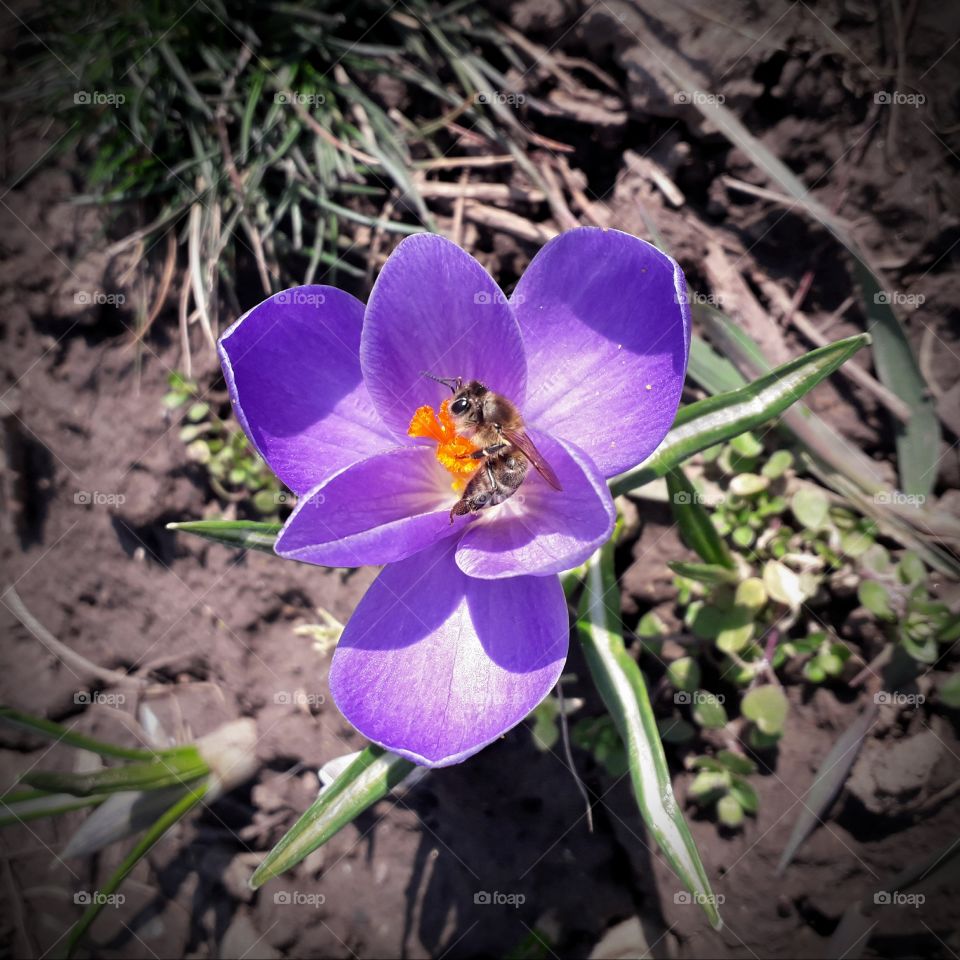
pixel 494 425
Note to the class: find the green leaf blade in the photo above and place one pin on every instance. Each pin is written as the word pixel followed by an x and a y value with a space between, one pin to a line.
pixel 622 687
pixel 244 534
pixel 719 418
pixel 371 776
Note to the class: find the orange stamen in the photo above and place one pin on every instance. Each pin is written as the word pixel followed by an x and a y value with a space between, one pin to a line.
pixel 453 451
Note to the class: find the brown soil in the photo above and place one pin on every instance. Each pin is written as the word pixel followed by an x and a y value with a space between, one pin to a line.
pixel 94 470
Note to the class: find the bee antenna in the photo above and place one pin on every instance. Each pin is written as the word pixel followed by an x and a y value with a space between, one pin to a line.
pixel 452 382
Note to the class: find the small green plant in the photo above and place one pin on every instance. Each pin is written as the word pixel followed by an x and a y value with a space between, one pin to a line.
pixel 721 784
pixel 898 596
pixel 235 471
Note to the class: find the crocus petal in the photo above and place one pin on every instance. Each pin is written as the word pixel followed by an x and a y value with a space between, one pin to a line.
pixel 540 530
pixel 378 510
pixel 606 328
pixel 292 365
pixel 434 665
pixel 435 309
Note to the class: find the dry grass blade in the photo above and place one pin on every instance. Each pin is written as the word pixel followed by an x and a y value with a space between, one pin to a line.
pixel 918 443
pixel 828 782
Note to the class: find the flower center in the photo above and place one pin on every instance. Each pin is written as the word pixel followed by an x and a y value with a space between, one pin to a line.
pixel 453 451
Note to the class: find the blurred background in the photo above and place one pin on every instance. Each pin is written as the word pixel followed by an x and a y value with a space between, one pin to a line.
pixel 168 165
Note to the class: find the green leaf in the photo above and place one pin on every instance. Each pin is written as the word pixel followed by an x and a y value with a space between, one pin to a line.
pixel 55 731
pixel 245 534
pixel 624 692
pixel 155 774
pixel 949 691
pixel 778 464
pixel 735 639
pixel 782 584
pixel 873 595
pixel 545 733
pixel 696 528
pixel 745 794
pixel 767 707
pixel 810 507
pixel 736 762
pixel 684 674
pixel 370 777
pixel 720 418
pixel 707 785
pixel 33 804
pixel 748 484
pixel 178 810
pixel 747 445
pixel 729 811
pixel 708 710
pixel 910 569
pixel 703 572
pixel 750 594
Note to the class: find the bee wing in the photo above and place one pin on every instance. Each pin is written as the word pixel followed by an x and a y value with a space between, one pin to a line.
pixel 525 445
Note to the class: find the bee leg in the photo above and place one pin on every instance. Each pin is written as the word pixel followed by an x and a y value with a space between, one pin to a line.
pixel 485 452
pixel 465 505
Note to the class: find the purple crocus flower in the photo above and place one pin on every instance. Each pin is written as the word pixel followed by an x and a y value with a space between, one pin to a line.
pixel 465 630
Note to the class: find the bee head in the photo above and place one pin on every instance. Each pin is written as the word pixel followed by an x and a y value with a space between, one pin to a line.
pixel 467 403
